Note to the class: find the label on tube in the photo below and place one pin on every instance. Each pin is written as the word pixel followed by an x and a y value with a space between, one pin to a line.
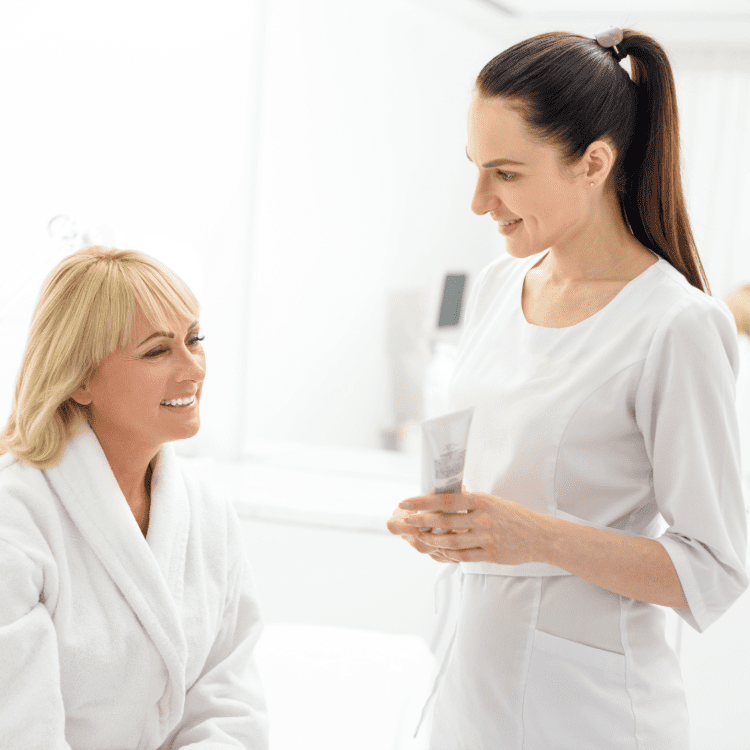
pixel 444 441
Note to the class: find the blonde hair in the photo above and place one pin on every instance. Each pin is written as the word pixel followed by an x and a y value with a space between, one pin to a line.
pixel 86 309
pixel 739 304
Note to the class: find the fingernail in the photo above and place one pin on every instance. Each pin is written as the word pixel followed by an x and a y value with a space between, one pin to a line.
pixel 406 506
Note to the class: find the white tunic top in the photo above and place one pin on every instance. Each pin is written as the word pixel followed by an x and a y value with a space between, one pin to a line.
pixel 624 421
pixel 110 640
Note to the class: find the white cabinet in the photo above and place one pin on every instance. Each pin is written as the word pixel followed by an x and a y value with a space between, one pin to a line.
pixel 314 522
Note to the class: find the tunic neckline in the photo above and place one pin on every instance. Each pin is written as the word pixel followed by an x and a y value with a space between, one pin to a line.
pixel 611 304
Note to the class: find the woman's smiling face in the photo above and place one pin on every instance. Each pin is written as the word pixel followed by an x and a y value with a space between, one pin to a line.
pixel 537 201
pixel 125 395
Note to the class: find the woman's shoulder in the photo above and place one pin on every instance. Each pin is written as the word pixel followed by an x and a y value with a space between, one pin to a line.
pixel 28 513
pixel 681 305
pixel 21 483
pixel 684 322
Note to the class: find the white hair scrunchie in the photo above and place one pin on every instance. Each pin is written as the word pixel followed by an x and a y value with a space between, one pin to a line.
pixel 610 38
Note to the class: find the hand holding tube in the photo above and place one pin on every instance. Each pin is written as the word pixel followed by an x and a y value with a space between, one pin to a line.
pixel 490 530
pixel 397 525
pixel 444 441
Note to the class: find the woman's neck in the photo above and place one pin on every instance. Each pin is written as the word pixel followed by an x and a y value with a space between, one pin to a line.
pixel 602 249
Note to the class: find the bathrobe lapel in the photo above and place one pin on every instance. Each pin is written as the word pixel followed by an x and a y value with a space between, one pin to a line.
pixel 149 574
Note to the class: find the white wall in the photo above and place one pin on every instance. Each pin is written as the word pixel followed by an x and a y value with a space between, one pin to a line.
pixel 713 91
pixel 135 118
pixel 364 189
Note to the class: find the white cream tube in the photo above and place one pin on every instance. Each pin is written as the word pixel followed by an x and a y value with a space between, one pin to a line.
pixel 444 441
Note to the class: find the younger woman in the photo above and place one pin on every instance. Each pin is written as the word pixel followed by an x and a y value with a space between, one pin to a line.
pixel 602 374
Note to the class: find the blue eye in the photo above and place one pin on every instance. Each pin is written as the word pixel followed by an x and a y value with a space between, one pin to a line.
pixel 507 176
pixel 192 342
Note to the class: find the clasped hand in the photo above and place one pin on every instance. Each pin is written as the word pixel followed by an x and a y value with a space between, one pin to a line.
pixel 487 528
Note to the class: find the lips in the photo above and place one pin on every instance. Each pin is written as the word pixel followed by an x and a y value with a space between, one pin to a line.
pixel 507 229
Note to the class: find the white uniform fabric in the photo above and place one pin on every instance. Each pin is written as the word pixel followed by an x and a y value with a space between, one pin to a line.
pixel 623 421
pixel 743 415
pixel 113 641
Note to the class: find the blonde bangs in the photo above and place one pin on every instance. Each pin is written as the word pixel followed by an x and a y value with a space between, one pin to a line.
pixel 160 295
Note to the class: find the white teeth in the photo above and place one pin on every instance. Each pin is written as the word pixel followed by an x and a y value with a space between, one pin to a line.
pixel 507 223
pixel 179 401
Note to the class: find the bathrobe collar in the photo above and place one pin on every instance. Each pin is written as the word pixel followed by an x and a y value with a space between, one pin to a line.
pixel 149 572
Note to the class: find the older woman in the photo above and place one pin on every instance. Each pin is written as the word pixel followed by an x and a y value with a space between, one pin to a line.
pixel 602 373
pixel 128 616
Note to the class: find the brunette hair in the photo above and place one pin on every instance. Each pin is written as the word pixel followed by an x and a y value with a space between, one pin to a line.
pixel 571 91
pixel 87 308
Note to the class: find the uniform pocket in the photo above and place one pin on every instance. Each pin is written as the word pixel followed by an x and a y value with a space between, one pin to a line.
pixel 576 698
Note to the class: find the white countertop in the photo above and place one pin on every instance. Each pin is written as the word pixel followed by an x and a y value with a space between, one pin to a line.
pixel 343 488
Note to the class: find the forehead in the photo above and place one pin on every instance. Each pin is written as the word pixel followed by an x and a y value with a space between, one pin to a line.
pixel 172 322
pixel 492 112
pixel 496 129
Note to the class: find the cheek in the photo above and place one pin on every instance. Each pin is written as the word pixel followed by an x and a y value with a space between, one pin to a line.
pixel 559 209
pixel 143 390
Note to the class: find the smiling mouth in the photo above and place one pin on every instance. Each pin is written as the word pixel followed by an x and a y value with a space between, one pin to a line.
pixel 508 223
pixel 179 402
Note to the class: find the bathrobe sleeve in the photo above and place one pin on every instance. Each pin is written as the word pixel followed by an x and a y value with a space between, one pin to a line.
pixel 225 708
pixel 685 410
pixel 32 716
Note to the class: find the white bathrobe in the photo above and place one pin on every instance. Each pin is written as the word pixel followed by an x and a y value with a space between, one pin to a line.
pixel 110 640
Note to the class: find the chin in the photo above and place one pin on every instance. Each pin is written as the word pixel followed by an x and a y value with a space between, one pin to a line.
pixel 187 431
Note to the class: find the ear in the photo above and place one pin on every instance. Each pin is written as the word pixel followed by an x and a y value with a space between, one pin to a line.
pixel 82 395
pixel 597 163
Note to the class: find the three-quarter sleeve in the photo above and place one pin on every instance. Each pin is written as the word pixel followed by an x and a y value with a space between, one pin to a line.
pixel 32 715
pixel 685 408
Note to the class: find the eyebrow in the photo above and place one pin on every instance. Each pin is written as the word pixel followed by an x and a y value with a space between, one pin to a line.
pixel 496 162
pixel 164 333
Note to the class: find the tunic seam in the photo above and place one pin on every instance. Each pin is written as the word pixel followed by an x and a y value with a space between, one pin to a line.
pixel 535 620
pixel 624 641
pixel 573 416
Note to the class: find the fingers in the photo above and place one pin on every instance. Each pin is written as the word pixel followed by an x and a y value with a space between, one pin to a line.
pixel 400 528
pixel 451 521
pixel 440 501
pixel 396 524
pixel 449 542
pixel 466 555
pixel 439 558
pixel 420 546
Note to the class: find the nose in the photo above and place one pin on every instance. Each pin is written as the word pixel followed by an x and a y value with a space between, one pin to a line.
pixel 192 364
pixel 484 199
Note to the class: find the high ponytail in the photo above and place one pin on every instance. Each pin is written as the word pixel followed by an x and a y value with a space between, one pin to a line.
pixel 653 203
pixel 572 92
